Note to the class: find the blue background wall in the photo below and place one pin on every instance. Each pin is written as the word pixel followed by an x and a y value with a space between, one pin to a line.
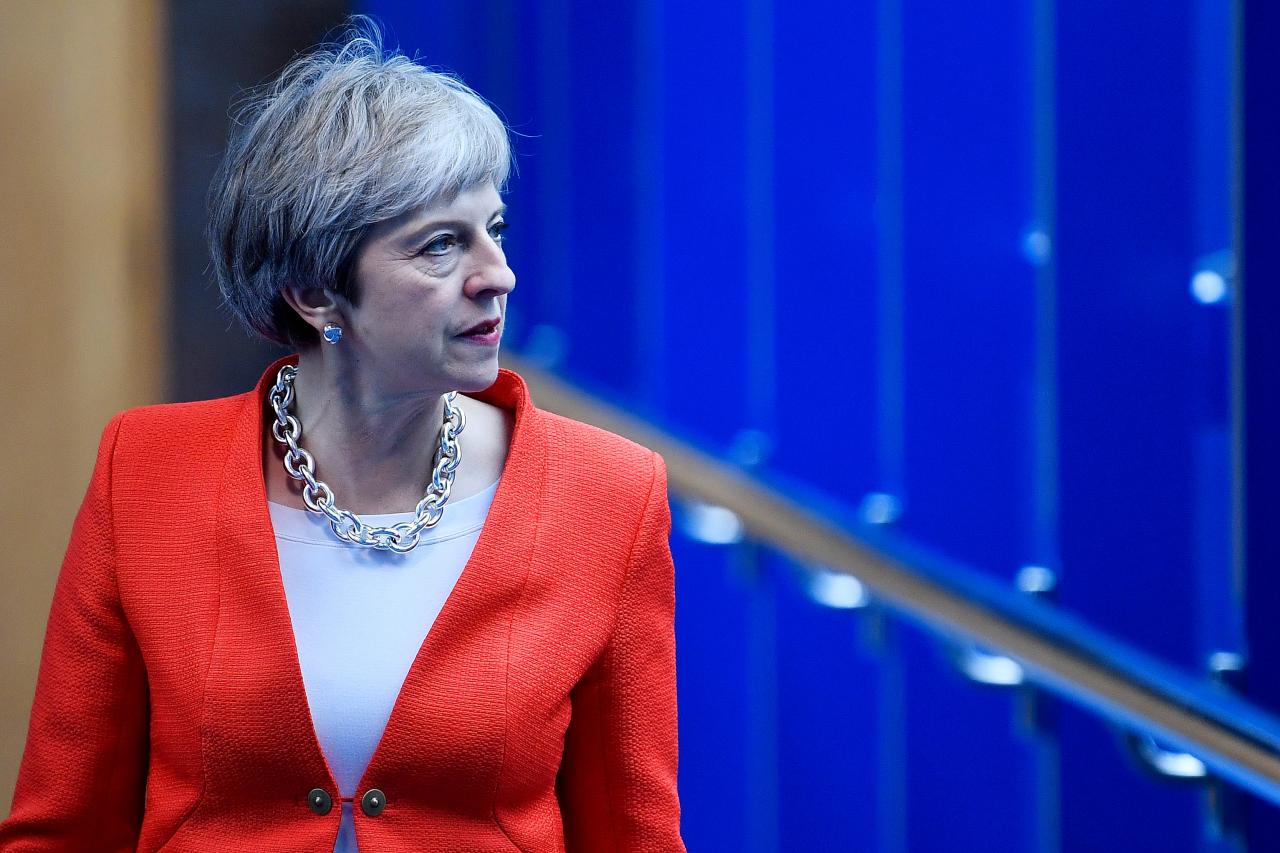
pixel 931 259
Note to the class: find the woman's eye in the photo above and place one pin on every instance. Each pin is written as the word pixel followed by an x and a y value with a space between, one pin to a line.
pixel 440 245
pixel 496 231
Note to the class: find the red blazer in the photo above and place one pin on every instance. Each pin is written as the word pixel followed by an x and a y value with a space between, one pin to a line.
pixel 170 713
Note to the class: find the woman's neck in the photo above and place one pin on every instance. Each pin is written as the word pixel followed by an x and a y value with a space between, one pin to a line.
pixel 375 448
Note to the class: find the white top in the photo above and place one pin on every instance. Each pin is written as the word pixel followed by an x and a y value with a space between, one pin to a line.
pixel 359 617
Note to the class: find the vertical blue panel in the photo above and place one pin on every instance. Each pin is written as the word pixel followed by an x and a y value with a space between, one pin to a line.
pixel 969 372
pixel 540 194
pixel 704 125
pixel 823 244
pixel 969 771
pixel 825 150
pixel 827 725
pixel 648 164
pixel 712 630
pixel 710 130
pixel 1123 250
pixel 969 310
pixel 762 702
pixel 601 348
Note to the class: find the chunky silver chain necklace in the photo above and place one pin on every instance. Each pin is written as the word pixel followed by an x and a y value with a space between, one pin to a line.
pixel 318 497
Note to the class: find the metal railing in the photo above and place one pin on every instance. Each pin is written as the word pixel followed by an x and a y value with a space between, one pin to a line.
pixel 1234 740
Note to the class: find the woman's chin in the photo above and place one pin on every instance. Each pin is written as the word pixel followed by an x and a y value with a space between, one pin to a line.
pixel 477 377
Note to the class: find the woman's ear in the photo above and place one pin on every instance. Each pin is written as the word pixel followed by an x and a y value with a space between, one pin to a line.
pixel 315 305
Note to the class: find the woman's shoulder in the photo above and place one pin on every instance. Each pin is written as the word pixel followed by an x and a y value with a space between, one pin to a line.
pixel 607 465
pixel 144 447
pixel 596 442
pixel 191 423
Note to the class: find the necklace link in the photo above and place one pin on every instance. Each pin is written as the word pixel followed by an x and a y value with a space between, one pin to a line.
pixel 318 497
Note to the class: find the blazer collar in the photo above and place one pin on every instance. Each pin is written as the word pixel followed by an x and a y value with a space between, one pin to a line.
pixel 444 681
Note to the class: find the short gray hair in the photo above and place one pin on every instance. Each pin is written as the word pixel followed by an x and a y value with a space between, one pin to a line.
pixel 346 136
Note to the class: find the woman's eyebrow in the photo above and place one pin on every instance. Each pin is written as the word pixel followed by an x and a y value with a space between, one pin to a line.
pixel 434 224
pixel 418 232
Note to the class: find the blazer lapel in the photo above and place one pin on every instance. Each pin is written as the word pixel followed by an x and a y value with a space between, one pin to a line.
pixel 255 680
pixel 447 728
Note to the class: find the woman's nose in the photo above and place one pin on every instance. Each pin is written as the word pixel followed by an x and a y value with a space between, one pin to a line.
pixel 492 277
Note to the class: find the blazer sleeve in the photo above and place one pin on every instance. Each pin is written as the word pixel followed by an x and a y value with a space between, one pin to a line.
pixel 617 782
pixel 83 773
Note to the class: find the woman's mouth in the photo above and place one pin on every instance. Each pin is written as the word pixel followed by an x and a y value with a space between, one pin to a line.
pixel 486 333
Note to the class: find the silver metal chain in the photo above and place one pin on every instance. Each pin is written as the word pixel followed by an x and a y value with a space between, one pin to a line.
pixel 318 497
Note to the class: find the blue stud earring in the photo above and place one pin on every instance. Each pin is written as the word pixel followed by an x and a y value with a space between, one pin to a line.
pixel 332 332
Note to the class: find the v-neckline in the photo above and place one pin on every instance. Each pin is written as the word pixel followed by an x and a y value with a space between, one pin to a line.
pixel 491 579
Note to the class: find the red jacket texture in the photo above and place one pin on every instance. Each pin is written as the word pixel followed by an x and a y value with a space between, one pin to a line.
pixel 170 713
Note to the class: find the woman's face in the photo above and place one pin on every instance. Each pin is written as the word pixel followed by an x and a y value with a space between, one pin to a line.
pixel 424 279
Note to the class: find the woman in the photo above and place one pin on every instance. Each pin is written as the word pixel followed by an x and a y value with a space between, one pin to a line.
pixel 266 635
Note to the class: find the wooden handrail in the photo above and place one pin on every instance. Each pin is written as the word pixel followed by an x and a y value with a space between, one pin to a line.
pixel 1236 740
